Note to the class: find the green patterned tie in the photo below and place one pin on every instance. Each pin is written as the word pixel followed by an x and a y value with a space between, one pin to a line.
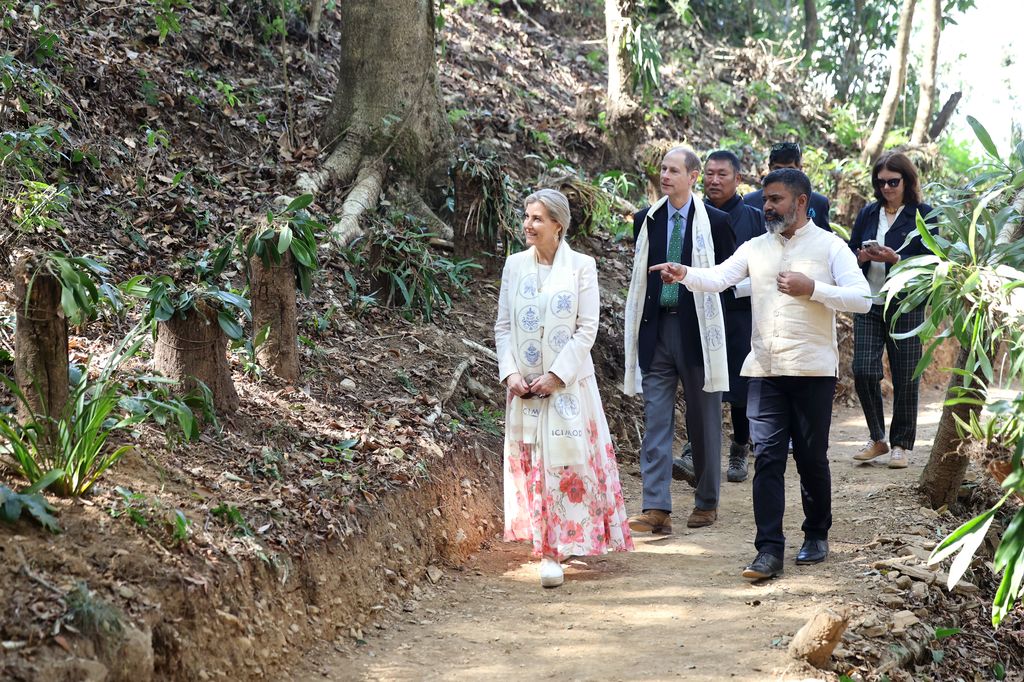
pixel 670 292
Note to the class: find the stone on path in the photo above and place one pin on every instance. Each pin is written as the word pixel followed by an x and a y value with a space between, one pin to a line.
pixel 818 638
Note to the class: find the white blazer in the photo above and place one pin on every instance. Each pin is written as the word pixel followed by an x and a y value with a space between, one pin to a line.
pixel 574 361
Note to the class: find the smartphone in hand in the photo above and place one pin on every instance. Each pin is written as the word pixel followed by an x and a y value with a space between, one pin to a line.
pixel 869 244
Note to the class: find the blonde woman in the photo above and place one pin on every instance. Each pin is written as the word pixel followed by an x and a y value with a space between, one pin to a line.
pixel 562 491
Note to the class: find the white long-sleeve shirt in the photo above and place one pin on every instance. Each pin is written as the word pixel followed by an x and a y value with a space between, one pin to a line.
pixel 849 294
pixel 791 335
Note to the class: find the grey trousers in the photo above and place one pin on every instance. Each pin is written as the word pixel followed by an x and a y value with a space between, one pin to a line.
pixel 703 423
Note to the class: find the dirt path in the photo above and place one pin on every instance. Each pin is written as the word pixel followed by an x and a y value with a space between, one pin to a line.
pixel 675 609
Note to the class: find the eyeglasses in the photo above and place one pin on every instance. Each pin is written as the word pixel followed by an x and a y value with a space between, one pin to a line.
pixel 891 182
pixel 785 147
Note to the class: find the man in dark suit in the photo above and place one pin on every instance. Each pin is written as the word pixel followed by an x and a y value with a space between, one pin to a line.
pixel 670 349
pixel 788 155
pixel 721 180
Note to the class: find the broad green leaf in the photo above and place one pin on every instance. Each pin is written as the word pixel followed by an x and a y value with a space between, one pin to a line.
pixel 285 240
pixel 983 137
pixel 943 633
pixel 229 323
pixel 954 540
pixel 299 202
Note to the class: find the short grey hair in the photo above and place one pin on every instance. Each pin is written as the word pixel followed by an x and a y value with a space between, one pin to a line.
pixel 690 158
pixel 557 206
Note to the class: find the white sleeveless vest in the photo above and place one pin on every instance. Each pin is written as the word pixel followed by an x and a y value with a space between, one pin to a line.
pixel 792 336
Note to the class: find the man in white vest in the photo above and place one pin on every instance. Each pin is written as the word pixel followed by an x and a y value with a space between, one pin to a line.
pixel 800 276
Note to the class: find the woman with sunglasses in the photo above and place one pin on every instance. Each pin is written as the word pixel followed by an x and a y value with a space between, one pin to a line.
pixel 884 234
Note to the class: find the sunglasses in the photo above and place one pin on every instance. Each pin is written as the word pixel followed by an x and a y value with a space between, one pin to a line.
pixel 785 147
pixel 891 182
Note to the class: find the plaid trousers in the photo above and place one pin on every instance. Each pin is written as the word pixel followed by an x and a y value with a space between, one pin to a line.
pixel 872 332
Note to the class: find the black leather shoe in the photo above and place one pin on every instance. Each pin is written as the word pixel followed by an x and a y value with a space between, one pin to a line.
pixel 812 552
pixel 763 566
pixel 682 467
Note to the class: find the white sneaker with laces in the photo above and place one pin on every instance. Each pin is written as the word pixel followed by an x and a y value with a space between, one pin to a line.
pixel 899 458
pixel 550 573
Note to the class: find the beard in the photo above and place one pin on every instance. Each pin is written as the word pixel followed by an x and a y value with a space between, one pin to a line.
pixel 776 223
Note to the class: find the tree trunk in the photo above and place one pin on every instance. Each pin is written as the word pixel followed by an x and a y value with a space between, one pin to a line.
pixel 929 64
pixel 272 289
pixel 624 116
pixel 40 346
pixel 944 115
pixel 316 13
pixel 851 59
pixel 810 27
pixel 193 348
pixel 387 107
pixel 940 481
pixel 897 78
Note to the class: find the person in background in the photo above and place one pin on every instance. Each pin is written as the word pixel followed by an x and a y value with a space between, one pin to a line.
pixel 673 336
pixel 884 233
pixel 800 276
pixel 788 155
pixel 562 491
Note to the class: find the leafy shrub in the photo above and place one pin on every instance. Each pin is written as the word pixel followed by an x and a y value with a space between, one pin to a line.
pixel 971 284
pixel 71 453
pixel 78 447
pixel 293 230
pixel 644 50
pixel 152 399
pixel 409 272
pixel 847 128
pixel 166 296
pixel 82 284
pixel 492 215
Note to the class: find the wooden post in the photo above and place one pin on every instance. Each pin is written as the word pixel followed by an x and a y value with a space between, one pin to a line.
pixel 40 345
pixel 272 288
pixel 194 347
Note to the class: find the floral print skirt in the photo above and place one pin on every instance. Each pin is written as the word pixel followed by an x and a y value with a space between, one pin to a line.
pixel 572 510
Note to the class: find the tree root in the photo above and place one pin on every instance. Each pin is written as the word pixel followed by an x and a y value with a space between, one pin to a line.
pixel 412 203
pixel 341 166
pixel 364 196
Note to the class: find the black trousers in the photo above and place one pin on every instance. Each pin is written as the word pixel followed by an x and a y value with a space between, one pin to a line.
pixel 781 408
pixel 872 333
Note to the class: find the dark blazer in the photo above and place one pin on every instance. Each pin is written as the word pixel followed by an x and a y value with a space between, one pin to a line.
pixel 866 227
pixel 657 241
pixel 817 211
pixel 747 222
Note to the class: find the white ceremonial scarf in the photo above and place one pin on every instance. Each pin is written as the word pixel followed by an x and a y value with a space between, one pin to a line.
pixel 709 306
pixel 541 327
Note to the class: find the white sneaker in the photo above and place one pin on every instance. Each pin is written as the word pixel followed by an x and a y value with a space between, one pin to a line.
pixel 898 458
pixel 550 573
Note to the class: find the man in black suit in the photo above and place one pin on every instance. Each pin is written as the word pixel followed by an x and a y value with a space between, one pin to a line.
pixel 721 180
pixel 670 347
pixel 788 155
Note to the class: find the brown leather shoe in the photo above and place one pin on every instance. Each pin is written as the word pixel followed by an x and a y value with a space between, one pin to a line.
pixel 651 521
pixel 701 517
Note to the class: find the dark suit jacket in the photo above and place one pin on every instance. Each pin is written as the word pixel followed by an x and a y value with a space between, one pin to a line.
pixel 657 240
pixel 747 222
pixel 817 211
pixel 866 227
